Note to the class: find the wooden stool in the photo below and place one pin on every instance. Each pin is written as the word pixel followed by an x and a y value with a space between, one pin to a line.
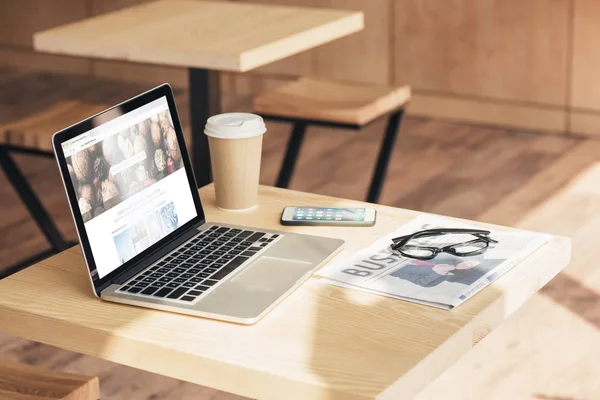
pixel 22 382
pixel 335 104
pixel 33 107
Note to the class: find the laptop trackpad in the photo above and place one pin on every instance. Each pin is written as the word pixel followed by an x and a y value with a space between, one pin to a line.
pixel 271 273
pixel 246 295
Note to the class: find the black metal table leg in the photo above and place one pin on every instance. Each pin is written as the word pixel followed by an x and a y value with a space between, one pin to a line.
pixel 383 159
pixel 34 207
pixel 31 201
pixel 291 155
pixel 13 269
pixel 205 98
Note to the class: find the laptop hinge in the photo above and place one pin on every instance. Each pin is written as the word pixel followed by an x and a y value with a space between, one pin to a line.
pixel 152 257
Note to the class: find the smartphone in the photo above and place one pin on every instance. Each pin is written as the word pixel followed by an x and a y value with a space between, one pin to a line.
pixel 315 216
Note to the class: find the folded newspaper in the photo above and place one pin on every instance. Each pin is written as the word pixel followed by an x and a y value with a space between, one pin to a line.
pixel 445 281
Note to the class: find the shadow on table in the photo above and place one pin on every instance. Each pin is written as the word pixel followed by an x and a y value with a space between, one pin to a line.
pixel 366 345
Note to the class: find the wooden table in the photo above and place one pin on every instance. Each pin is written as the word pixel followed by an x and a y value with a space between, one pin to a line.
pixel 205 37
pixel 322 342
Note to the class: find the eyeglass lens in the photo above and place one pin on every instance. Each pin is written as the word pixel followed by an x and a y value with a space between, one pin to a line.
pixel 467 248
pixel 416 252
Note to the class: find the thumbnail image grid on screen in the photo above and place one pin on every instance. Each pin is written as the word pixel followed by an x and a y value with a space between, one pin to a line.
pixel 111 171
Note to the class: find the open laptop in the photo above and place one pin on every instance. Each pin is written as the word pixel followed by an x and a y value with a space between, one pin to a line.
pixel 143 231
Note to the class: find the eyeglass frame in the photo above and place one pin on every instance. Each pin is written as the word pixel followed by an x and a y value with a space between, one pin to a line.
pixel 482 236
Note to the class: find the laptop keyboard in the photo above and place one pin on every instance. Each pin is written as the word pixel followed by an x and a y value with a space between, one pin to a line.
pixel 199 264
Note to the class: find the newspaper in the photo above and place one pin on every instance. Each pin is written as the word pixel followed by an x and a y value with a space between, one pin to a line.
pixel 445 281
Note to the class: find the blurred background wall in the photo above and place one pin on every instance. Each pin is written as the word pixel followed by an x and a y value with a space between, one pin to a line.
pixel 531 64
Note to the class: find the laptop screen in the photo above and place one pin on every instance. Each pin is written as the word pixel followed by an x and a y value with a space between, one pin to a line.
pixel 131 186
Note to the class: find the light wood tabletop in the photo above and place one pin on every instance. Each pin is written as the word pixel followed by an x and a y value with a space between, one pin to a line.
pixel 206 37
pixel 219 35
pixel 321 342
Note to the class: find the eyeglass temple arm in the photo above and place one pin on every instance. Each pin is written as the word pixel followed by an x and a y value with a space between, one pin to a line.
pixel 440 231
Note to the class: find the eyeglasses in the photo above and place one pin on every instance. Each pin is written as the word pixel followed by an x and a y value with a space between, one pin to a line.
pixel 463 249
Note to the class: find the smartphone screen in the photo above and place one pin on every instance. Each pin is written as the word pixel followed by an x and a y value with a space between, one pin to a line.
pixel 329 214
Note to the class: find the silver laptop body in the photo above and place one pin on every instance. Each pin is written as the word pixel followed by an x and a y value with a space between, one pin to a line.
pixel 254 288
pixel 169 259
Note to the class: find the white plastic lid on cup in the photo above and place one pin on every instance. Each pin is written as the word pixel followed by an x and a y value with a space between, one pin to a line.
pixel 235 126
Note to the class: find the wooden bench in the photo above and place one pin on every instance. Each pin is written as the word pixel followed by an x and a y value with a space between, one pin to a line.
pixel 23 382
pixel 35 105
pixel 309 101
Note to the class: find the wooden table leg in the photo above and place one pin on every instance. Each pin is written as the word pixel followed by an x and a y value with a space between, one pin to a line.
pixel 205 99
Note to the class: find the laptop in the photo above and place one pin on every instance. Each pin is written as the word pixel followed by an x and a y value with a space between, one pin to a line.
pixel 143 231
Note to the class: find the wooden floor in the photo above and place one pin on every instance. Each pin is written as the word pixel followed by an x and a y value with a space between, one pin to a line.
pixel 447 168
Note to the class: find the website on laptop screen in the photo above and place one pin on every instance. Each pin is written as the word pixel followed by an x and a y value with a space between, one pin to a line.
pixel 130 183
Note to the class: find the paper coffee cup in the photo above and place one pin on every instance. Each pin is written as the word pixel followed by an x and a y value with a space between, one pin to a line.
pixel 235 141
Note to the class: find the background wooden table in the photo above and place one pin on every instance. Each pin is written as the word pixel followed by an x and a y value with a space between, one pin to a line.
pixel 205 37
pixel 322 342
